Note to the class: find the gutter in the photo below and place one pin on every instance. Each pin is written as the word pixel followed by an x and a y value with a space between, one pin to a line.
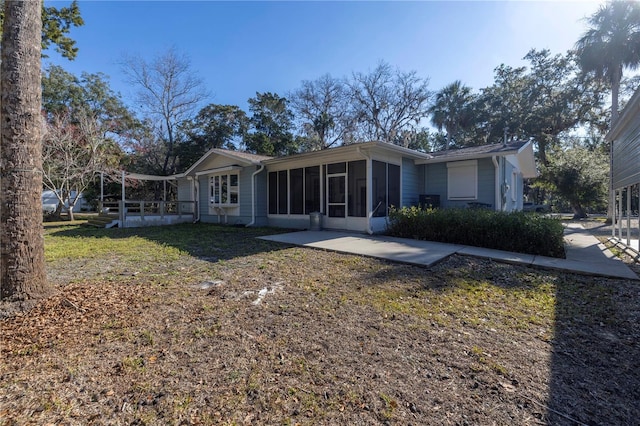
pixel 253 196
pixel 369 179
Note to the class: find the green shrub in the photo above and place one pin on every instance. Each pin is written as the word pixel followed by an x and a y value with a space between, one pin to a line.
pixel 517 231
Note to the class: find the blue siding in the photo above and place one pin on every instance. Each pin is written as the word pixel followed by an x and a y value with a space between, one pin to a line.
pixel 486 182
pixel 244 216
pixel 435 183
pixel 261 199
pixel 245 192
pixel 185 194
pixel 412 184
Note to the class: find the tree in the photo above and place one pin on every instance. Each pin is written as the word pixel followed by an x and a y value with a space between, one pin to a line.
pixel 271 123
pixel 215 126
pixel 580 176
pixel 169 92
pixel 56 24
pixel 75 151
pixel 542 102
pixel 84 121
pixel 22 264
pixel 322 107
pixel 560 98
pixel 385 102
pixel 611 44
pixel 90 95
pixel 452 110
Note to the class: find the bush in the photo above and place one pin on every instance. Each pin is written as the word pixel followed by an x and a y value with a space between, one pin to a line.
pixel 517 232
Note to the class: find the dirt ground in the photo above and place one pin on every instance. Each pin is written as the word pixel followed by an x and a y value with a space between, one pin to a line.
pixel 236 330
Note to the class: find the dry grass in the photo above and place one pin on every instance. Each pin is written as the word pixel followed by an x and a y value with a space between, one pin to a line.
pixel 286 335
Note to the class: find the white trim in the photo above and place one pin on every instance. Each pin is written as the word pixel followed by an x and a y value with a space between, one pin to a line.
pixel 228 204
pixel 219 170
pixel 139 176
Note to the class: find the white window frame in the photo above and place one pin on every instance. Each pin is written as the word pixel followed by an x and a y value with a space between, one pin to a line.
pixel 230 190
pixel 462 180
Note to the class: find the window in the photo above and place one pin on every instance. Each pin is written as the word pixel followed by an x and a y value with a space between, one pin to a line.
pixel 296 190
pixel 225 189
pixel 385 187
pixel 282 192
pixel 357 187
pixel 462 180
pixel 273 192
pixel 311 189
pixel 393 193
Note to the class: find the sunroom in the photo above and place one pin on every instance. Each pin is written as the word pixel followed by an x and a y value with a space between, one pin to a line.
pixel 352 186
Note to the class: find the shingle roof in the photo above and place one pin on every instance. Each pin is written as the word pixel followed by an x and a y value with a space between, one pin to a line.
pixel 254 158
pixel 475 151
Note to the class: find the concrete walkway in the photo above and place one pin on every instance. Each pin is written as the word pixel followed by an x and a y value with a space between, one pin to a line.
pixel 585 254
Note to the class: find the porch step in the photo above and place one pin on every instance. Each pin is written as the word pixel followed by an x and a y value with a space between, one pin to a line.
pixel 103 220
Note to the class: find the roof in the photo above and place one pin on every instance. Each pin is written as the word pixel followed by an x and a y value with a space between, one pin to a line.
pixel 241 156
pixel 356 147
pixel 626 117
pixel 478 151
pixel 253 158
pixel 519 153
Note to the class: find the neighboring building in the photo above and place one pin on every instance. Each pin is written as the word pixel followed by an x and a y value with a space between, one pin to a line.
pixel 352 186
pixel 50 202
pixel 624 138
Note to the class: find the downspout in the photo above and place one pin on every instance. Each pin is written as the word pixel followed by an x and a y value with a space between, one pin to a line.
pixel 369 204
pixel 497 197
pixel 253 195
pixel 196 193
pixel 504 188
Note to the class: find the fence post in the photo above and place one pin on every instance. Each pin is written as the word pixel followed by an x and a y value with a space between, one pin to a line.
pixel 121 213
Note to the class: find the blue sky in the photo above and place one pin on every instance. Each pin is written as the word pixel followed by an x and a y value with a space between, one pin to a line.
pixel 239 48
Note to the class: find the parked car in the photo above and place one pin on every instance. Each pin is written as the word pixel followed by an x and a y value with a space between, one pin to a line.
pixel 538 208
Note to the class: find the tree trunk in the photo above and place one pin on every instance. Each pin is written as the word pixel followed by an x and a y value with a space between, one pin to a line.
pixel 22 253
pixel 578 211
pixel 615 89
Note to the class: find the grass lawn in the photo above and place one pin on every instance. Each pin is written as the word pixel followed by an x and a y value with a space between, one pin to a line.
pixel 205 324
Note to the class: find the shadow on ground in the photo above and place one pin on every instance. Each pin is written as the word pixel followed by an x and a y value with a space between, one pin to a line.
pixel 595 363
pixel 593 375
pixel 209 242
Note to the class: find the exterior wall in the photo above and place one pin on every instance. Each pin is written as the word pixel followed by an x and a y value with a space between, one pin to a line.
pixel 626 155
pixel 486 182
pixel 515 193
pixel 245 193
pixel 412 182
pixel 261 199
pixel 435 183
pixel 185 193
pixel 238 216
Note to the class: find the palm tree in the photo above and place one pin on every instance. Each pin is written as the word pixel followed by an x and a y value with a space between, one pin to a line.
pixel 451 109
pixel 611 44
pixel 22 254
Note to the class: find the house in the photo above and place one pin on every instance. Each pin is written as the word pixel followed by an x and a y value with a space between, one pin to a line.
pixel 353 186
pixel 624 140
